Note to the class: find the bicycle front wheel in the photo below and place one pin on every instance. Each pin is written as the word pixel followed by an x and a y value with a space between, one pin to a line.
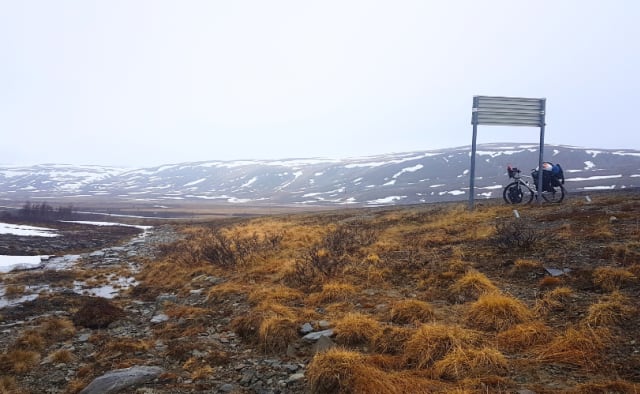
pixel 556 196
pixel 517 193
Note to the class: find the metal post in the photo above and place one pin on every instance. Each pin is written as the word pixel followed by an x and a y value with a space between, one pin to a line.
pixel 541 159
pixel 473 167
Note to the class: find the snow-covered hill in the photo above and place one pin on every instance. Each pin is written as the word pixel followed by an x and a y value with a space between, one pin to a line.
pixel 399 178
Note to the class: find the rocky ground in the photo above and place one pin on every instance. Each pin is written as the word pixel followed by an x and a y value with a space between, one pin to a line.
pixel 238 367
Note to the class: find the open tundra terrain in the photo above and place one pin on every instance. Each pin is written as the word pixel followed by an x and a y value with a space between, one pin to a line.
pixel 429 298
pixel 391 179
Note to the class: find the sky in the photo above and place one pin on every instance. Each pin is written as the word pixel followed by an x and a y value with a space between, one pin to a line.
pixel 141 83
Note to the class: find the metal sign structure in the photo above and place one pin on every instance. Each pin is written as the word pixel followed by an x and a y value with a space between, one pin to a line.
pixel 506 111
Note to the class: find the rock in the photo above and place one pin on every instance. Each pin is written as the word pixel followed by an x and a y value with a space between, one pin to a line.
pixel 314 336
pixel 164 298
pixel 556 271
pixel 324 324
pixel 116 380
pixel 613 219
pixel 324 343
pixel 295 377
pixel 306 328
pixel 525 391
pixel 227 388
pixel 291 350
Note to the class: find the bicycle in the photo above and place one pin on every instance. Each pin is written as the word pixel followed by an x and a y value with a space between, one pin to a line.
pixel 519 191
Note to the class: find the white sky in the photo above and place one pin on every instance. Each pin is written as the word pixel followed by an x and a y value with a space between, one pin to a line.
pixel 137 83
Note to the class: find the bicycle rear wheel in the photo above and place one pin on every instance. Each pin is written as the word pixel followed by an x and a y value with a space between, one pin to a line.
pixel 555 196
pixel 517 193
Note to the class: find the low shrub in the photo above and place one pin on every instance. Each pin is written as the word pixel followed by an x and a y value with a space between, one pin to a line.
pixel 97 313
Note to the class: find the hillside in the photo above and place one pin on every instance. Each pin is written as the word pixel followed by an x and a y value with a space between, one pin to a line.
pixel 414 299
pixel 391 179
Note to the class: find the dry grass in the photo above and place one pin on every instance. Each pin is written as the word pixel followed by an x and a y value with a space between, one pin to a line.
pixel 612 310
pixel 57 329
pixel 30 340
pixel 522 337
pixel 583 347
pixel 497 312
pixel 431 342
pixel 14 291
pixel 411 312
pixel 356 329
pixel 339 371
pixel 276 333
pixel 468 362
pixel 471 286
pixel 279 294
pixel 19 361
pixel 525 267
pixel 549 282
pixel 8 385
pixel 61 356
pixel 333 292
pixel 553 301
pixel 392 340
pixel 611 278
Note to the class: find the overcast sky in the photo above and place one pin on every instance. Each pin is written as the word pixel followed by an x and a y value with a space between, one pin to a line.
pixel 142 83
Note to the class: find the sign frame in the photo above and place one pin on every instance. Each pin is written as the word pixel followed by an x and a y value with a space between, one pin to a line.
pixel 506 111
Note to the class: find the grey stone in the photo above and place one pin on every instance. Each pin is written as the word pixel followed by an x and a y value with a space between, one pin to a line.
pixel 556 271
pixel 306 328
pixel 324 324
pixel 160 318
pixel 227 388
pixel 324 343
pixel 314 336
pixel 295 377
pixel 114 381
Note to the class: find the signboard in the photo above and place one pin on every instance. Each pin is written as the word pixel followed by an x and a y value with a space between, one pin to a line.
pixel 506 111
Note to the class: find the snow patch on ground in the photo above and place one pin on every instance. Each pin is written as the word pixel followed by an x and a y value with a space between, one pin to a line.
pixel 30 231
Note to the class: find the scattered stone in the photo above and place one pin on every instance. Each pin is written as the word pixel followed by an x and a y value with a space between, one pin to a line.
pixel 557 272
pixel 525 391
pixel 323 324
pixel 306 328
pixel 164 298
pixel 314 336
pixel 295 377
pixel 116 380
pixel 227 388
pixel 324 343
pixel 613 219
pixel 159 318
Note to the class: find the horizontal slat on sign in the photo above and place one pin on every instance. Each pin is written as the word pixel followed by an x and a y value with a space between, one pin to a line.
pixel 505 115
pixel 509 124
pixel 514 122
pixel 503 100
pixel 510 108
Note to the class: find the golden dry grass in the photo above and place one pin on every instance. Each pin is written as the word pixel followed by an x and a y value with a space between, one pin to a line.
pixel 583 347
pixel 9 385
pixel 356 329
pixel 555 300
pixel 276 333
pixel 14 291
pixel 392 339
pixel 19 361
pixel 607 387
pixel 471 286
pixel 333 292
pixel 524 267
pixel 611 310
pixel 497 312
pixel 522 337
pixel 61 356
pixel 430 342
pixel 30 340
pixel 339 371
pixel 411 311
pixel 612 278
pixel 469 362
pixel 278 293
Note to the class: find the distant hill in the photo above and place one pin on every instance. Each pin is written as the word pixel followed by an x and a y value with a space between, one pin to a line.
pixel 397 178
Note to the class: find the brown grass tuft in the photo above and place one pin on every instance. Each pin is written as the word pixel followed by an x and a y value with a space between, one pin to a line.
pixel 276 333
pixel 62 356
pixel 57 329
pixel 280 294
pixel 549 282
pixel 356 328
pixel 554 300
pixel 611 278
pixel 8 385
pixel 611 310
pixel 339 371
pixel 433 341
pixel 333 292
pixel 523 336
pixel 582 347
pixel 29 340
pixel 97 313
pixel 467 362
pixel 19 361
pixel 525 267
pixel 411 311
pixel 14 291
pixel 471 286
pixel 391 340
pixel 497 312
